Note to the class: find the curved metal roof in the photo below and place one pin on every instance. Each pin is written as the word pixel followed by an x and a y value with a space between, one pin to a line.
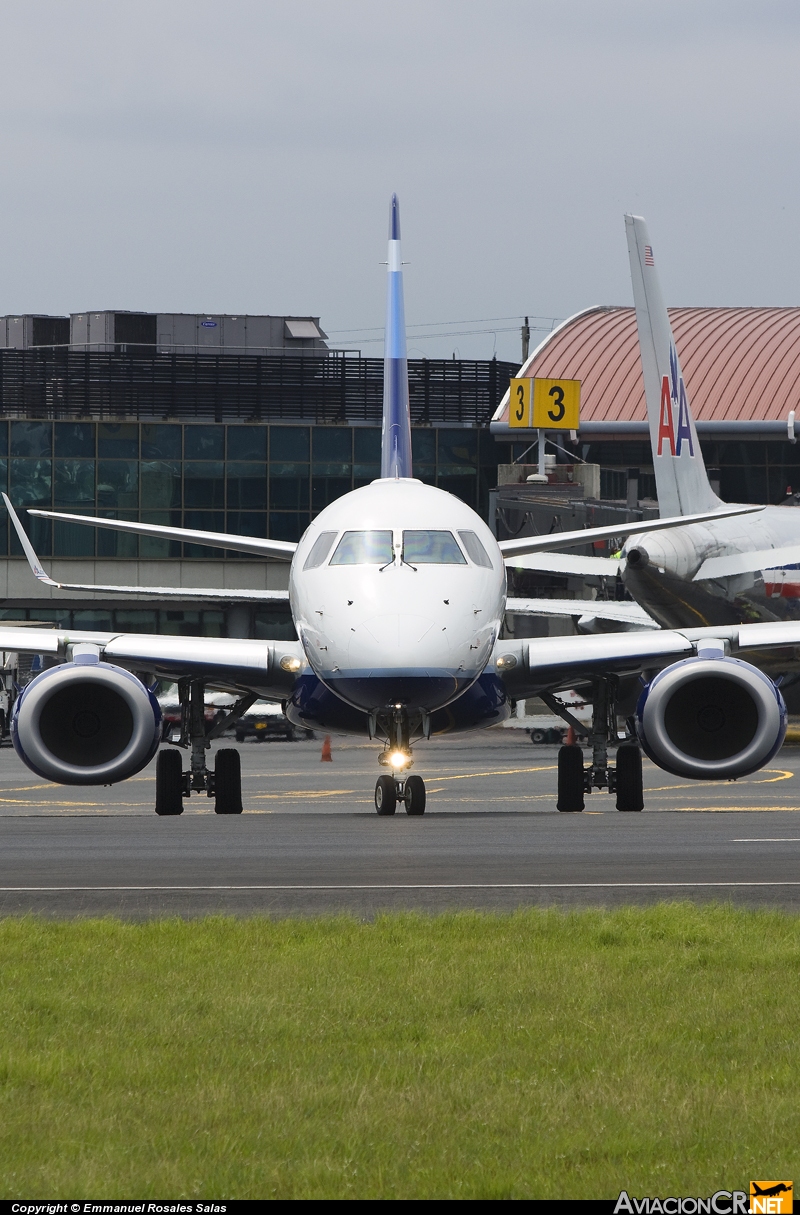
pixel 739 364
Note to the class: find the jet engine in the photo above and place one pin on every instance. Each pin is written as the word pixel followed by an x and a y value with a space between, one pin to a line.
pixel 86 723
pixel 711 718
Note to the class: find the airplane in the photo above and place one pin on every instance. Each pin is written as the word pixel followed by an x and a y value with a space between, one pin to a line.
pixel 780 1187
pixel 719 571
pixel 398 593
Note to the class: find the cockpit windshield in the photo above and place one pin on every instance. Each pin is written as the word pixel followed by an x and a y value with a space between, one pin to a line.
pixel 364 548
pixel 431 548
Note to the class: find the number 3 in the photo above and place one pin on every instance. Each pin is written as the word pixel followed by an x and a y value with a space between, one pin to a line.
pixel 519 412
pixel 557 392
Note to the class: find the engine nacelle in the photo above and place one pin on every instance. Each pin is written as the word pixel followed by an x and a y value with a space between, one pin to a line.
pixel 86 724
pixel 711 718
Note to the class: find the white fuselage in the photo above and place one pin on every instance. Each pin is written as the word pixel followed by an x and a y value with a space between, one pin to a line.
pixel 406 632
pixel 674 556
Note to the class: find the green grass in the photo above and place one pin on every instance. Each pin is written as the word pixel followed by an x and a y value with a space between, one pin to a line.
pixel 539 1054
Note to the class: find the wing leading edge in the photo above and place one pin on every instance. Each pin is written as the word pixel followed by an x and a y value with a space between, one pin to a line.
pixel 280 549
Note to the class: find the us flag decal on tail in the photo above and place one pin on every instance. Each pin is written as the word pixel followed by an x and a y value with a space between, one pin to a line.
pixel 648 255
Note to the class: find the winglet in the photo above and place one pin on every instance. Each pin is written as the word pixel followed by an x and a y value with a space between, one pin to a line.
pixel 27 547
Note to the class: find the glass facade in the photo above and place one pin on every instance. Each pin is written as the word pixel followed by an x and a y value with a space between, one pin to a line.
pixel 255 480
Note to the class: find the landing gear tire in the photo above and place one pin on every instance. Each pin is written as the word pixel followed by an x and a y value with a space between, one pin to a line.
pixel 570 780
pixel 415 795
pixel 385 795
pixel 169 782
pixel 630 794
pixel 228 782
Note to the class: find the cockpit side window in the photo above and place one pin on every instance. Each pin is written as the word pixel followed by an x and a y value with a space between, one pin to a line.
pixel 475 550
pixel 364 548
pixel 431 548
pixel 319 550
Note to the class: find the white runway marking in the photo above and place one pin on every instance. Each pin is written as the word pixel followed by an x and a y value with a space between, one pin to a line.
pixel 769 839
pixel 397 886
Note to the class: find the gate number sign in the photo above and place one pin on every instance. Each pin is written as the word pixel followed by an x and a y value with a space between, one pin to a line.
pixel 551 405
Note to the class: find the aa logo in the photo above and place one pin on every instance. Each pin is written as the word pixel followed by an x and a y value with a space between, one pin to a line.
pixel 771 1198
pixel 673 396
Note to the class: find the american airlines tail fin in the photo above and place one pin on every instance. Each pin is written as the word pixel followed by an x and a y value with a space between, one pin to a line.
pixel 681 480
pixel 396 433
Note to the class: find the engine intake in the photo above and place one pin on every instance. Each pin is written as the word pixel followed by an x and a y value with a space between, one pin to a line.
pixel 81 724
pixel 711 718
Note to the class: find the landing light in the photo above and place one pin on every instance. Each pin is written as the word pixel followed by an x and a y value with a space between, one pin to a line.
pixel 290 663
pixel 397 760
pixel 505 662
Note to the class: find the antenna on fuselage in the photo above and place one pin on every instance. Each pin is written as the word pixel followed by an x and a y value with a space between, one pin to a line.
pixel 396 432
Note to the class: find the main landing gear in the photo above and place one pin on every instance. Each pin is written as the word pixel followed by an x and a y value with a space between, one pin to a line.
pixel 397 787
pixel 224 784
pixel 625 779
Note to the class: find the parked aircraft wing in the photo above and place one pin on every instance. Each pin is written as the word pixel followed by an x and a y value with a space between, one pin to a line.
pixel 747 563
pixel 280 549
pixel 625 613
pixel 566 563
pixel 557 540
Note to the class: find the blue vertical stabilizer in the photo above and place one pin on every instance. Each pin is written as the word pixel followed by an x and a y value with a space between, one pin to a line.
pixel 396 434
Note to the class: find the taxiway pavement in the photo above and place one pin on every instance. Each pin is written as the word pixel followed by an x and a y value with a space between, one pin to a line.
pixel 310 841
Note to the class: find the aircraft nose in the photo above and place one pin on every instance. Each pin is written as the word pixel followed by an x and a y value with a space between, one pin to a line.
pixel 399 640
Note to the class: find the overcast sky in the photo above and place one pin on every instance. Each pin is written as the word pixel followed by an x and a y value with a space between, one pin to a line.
pixel 182 155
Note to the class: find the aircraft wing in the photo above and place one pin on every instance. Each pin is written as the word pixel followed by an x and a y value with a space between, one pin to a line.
pixel 566 563
pixel 281 549
pixel 224 595
pixel 587 535
pixel 600 609
pixel 267 667
pixel 529 666
pixel 285 551
pixel 748 563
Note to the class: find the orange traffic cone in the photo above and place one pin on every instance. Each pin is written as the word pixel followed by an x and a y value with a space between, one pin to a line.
pixel 570 742
pixel 326 757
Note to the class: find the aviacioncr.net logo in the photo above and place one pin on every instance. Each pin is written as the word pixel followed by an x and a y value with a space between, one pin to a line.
pixel 723 1202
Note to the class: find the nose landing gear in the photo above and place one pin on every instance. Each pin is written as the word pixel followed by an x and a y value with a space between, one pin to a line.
pixel 397 787
pixel 389 790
